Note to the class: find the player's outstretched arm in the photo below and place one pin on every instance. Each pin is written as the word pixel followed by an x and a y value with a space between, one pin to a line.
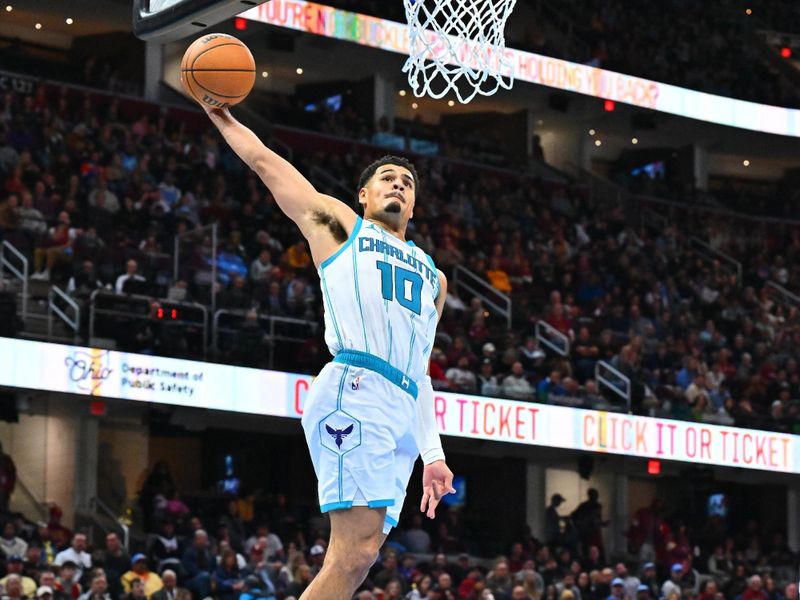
pixel 295 195
pixel 437 478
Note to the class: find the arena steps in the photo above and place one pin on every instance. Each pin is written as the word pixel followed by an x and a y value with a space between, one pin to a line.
pixel 35 322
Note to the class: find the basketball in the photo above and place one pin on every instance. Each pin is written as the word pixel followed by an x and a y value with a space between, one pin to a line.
pixel 218 70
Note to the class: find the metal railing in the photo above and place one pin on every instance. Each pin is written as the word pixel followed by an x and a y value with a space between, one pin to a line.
pixel 614 380
pixel 58 295
pixel 146 301
pixel 20 272
pixel 603 190
pixel 331 181
pixel 95 503
pixel 552 338
pixel 264 129
pixel 270 334
pixel 708 252
pixel 31 502
pixel 465 279
pixel 787 297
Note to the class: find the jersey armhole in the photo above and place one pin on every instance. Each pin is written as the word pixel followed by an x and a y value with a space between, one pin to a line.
pixel 343 247
pixel 435 270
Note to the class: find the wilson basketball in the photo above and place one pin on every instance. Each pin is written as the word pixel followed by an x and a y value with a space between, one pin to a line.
pixel 218 70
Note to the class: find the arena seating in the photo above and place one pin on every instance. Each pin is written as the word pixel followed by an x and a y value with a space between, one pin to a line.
pixel 638 297
pixel 269 547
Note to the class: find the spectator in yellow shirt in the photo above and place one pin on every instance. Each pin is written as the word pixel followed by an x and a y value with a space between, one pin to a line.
pixel 139 570
pixel 297 256
pixel 498 277
pixel 14 565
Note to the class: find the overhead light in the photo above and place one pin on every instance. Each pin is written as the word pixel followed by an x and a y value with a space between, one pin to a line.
pixel 598 143
pixel 38 26
pixel 592 132
pixel 746 162
pixel 70 21
pixel 635 141
pixel 748 11
pixel 265 74
pixel 9 8
pixel 299 70
pixel 402 92
pixel 414 105
pixel 450 103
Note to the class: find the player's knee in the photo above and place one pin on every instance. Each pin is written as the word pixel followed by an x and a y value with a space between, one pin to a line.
pixel 358 560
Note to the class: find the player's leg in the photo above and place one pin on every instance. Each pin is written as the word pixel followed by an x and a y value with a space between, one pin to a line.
pixel 356 538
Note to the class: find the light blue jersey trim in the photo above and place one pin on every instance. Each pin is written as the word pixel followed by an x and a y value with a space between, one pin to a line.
pixel 433 266
pixel 411 345
pixel 389 325
pixel 434 313
pixel 336 506
pixel 380 503
pixel 391 521
pixel 330 307
pixel 358 299
pixel 344 246
pixel 385 301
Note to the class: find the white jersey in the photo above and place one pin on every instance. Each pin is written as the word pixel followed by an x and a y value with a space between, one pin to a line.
pixel 379 295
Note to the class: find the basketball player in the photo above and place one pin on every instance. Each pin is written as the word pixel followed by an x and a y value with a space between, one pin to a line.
pixel 370 412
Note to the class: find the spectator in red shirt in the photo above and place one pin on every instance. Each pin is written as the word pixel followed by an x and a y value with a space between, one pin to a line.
pixel 436 370
pixel 755 589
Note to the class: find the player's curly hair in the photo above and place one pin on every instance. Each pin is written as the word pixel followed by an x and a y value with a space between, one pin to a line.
pixel 367 174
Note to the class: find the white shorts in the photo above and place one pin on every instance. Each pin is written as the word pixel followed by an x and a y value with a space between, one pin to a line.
pixel 357 421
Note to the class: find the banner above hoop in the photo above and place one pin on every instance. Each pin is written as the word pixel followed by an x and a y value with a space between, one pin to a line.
pixel 392 36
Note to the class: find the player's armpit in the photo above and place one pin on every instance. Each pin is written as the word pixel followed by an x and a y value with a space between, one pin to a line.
pixel 326 227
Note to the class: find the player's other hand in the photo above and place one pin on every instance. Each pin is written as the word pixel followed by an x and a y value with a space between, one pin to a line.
pixel 437 481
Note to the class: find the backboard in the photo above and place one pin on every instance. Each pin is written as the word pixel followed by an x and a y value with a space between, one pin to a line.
pixel 168 20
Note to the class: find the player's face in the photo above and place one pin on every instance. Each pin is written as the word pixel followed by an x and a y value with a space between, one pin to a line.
pixel 389 195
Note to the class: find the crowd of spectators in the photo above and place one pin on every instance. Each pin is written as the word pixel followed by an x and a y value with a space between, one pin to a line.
pixel 96 200
pixel 712 48
pixel 252 551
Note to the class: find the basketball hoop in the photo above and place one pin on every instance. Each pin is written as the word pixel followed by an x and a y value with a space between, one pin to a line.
pixel 458 46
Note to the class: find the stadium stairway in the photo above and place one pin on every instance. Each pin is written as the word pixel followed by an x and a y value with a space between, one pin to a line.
pixel 25 303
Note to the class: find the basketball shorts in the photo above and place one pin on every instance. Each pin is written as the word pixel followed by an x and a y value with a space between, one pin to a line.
pixel 357 420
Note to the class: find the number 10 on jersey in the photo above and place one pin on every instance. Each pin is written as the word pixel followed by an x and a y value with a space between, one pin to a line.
pixel 402 285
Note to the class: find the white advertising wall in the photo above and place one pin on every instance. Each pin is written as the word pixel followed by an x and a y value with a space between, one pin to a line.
pixel 144 378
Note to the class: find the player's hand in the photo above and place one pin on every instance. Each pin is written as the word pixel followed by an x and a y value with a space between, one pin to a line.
pixel 215 111
pixel 437 481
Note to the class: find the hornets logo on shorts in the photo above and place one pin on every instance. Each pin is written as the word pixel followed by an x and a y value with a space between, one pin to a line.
pixel 340 432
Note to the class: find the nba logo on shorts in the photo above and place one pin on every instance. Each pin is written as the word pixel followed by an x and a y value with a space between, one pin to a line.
pixel 356 383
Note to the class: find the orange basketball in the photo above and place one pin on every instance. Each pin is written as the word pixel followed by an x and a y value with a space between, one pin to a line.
pixel 218 70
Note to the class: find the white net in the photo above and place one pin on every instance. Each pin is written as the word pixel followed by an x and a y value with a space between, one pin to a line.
pixel 458 46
